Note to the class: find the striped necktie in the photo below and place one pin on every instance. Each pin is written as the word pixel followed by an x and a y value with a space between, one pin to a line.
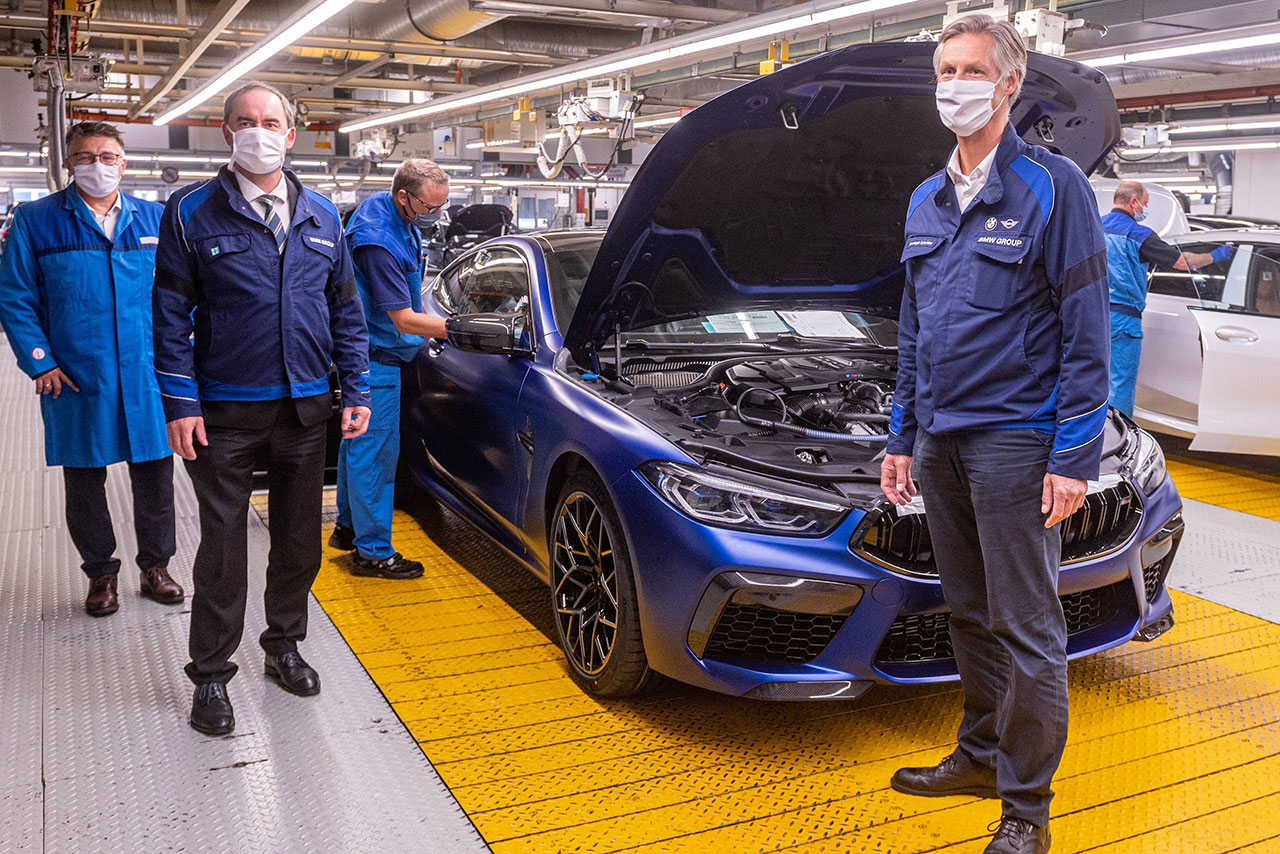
pixel 272 219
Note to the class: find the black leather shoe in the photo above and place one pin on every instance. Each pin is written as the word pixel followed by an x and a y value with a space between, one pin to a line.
pixel 293 674
pixel 396 566
pixel 955 775
pixel 211 711
pixel 343 538
pixel 1015 836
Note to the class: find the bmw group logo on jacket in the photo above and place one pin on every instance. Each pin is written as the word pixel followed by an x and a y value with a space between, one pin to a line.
pixel 267 323
pixel 1004 322
pixel 72 299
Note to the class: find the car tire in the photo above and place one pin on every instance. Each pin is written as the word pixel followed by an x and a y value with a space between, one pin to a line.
pixel 592 585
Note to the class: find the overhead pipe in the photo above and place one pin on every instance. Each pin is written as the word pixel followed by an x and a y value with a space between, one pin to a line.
pixel 1222 167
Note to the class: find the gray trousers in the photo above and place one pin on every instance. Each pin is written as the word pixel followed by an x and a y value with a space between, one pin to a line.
pixel 999 570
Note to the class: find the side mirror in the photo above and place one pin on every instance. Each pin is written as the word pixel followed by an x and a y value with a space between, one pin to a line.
pixel 490 333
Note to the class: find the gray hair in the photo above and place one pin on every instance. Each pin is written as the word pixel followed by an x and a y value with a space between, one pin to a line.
pixel 416 171
pixel 1127 191
pixel 1010 52
pixel 230 101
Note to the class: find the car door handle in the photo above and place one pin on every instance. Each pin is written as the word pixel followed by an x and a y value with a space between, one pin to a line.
pixel 1236 333
pixel 434 347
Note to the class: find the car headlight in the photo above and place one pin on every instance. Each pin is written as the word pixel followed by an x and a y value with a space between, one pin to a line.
pixel 730 503
pixel 1150 470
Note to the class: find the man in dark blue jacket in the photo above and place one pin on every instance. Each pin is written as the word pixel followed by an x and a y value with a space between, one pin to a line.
pixel 385 237
pixel 1002 402
pixel 1131 250
pixel 75 288
pixel 259 262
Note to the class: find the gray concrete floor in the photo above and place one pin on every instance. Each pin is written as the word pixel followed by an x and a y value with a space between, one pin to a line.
pixel 96 754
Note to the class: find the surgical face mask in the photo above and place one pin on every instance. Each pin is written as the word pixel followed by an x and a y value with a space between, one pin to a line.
pixel 965 105
pixel 258 150
pixel 426 221
pixel 1139 217
pixel 97 179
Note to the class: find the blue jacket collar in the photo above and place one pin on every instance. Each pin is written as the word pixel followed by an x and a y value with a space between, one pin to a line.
pixel 71 201
pixel 305 208
pixel 1009 149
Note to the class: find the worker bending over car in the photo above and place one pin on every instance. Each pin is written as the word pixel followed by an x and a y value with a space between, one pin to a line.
pixel 385 238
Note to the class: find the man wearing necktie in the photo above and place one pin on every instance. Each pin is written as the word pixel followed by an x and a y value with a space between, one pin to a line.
pixel 255 264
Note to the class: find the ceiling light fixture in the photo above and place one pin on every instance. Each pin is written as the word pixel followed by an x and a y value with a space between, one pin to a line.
pixel 21 170
pixel 1221 145
pixel 767 25
pixel 311 15
pixel 1229 125
pixel 651 123
pixel 1190 49
pixel 8 153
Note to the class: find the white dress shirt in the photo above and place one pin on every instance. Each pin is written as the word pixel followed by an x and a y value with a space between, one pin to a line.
pixel 279 198
pixel 107 221
pixel 969 186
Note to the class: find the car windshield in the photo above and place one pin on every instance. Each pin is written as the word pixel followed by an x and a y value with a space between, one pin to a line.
pixel 568 266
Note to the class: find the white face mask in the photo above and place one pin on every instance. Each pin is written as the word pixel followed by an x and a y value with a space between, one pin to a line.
pixel 97 179
pixel 258 150
pixel 965 105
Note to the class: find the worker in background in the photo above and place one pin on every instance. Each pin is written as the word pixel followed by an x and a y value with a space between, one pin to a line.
pixel 385 237
pixel 1001 402
pixel 257 261
pixel 1131 248
pixel 75 300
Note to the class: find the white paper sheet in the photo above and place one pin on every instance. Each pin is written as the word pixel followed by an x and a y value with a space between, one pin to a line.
pixel 822 324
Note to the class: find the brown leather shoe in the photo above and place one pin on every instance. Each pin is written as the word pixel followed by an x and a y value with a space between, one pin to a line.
pixel 102 600
pixel 159 586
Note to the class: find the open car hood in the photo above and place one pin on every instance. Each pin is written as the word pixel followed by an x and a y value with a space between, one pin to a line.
pixel 791 190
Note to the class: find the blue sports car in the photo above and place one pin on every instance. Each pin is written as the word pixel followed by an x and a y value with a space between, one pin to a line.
pixel 677 422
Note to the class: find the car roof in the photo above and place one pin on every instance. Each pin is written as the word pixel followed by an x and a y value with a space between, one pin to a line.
pixel 1250 235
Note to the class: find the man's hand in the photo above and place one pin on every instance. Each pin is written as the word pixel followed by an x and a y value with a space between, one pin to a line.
pixel 184 433
pixel 355 420
pixel 1193 261
pixel 52 381
pixel 895 478
pixel 1062 497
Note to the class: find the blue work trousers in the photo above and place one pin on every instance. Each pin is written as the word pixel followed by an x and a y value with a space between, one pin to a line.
pixel 998 565
pixel 367 468
pixel 1126 353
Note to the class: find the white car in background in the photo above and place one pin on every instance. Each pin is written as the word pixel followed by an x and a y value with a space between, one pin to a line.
pixel 1210 368
pixel 1164 212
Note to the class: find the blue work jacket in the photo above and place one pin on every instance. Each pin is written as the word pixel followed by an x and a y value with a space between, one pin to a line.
pixel 376 222
pixel 267 324
pixel 72 299
pixel 1131 250
pixel 1004 316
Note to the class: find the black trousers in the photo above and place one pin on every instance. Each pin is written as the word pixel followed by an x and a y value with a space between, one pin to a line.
pixel 222 475
pixel 89 518
pixel 999 570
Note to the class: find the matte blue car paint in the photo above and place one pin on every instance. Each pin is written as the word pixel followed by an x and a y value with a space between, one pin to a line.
pixel 506 490
pixel 675 556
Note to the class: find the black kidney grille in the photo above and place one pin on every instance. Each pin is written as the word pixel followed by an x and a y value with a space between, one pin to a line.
pixel 927 637
pixel 1107 520
pixel 763 634
pixel 1153 576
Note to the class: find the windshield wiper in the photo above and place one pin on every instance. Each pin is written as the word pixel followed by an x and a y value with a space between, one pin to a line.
pixel 826 343
pixel 641 344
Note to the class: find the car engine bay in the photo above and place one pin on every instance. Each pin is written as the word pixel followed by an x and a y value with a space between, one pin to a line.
pixel 815 416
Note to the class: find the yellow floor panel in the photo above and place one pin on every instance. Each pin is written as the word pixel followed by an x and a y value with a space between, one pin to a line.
pixel 1174 745
pixel 1256 493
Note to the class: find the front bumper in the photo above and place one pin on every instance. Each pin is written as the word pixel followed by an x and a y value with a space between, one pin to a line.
pixel 800 618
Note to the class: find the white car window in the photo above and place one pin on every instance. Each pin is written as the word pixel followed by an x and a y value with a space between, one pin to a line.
pixel 1264 282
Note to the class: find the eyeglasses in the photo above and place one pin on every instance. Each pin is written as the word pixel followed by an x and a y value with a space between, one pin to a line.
pixel 84 158
pixel 430 208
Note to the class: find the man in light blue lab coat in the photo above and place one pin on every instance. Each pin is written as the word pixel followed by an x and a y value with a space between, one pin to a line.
pixel 75 301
